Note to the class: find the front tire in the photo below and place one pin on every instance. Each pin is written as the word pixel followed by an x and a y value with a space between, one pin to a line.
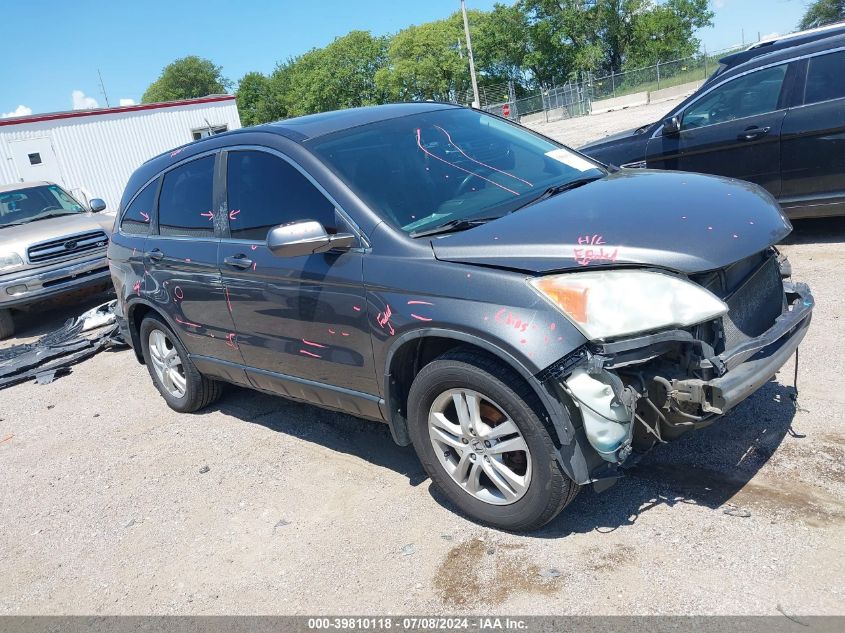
pixel 7 324
pixel 177 379
pixel 476 428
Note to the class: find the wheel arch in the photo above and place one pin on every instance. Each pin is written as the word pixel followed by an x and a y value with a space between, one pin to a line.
pixel 413 350
pixel 135 314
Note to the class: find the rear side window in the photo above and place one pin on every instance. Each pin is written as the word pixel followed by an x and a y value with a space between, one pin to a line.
pixel 825 78
pixel 753 94
pixel 136 220
pixel 264 191
pixel 185 204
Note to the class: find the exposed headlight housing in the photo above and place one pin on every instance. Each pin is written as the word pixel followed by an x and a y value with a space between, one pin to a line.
pixel 8 261
pixel 611 303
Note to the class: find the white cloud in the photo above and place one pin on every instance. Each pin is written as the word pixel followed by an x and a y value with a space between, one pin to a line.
pixel 719 4
pixel 22 110
pixel 81 102
pixel 127 102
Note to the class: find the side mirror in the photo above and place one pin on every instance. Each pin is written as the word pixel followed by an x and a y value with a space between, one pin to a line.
pixel 97 205
pixel 672 125
pixel 305 238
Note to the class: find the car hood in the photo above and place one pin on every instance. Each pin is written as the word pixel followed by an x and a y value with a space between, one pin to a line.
pixel 679 221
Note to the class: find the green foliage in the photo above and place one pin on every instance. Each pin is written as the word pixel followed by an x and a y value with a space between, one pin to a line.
pixel 424 62
pixel 528 42
pixel 187 78
pixel 823 12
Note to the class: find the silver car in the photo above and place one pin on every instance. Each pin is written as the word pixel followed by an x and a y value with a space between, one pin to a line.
pixel 49 244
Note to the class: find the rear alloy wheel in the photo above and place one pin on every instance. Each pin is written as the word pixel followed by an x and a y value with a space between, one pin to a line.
pixel 478 430
pixel 177 379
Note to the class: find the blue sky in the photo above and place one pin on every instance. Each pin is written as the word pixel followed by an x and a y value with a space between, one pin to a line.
pixel 53 48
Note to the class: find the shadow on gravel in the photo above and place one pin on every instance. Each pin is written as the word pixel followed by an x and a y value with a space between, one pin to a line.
pixel 365 439
pixel 706 467
pixel 817 231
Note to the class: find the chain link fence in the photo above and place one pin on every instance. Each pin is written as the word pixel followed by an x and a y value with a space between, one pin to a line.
pixel 575 98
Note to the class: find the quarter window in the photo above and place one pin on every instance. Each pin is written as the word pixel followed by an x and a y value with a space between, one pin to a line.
pixel 185 206
pixel 825 78
pixel 136 220
pixel 265 191
pixel 750 95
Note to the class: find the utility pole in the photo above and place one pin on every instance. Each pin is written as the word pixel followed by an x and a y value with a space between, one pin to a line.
pixel 103 88
pixel 476 102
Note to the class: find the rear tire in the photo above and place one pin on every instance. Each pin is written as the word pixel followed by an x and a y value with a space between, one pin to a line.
pixel 7 324
pixel 526 487
pixel 177 379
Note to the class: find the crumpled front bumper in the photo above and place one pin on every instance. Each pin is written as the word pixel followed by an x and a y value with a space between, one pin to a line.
pixel 747 367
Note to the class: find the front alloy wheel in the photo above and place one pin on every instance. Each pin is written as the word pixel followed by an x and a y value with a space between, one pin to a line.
pixel 479 446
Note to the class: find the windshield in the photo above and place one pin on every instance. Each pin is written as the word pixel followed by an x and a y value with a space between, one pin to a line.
pixel 36 203
pixel 428 169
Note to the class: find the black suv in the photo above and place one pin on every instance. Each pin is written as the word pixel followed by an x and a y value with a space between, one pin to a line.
pixel 777 120
pixel 528 320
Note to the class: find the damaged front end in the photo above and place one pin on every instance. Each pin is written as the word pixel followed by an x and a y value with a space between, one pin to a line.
pixel 633 393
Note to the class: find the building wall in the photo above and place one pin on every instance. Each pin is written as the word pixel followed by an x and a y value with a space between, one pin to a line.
pixel 96 154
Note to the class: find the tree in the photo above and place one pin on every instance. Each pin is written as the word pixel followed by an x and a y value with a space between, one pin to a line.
pixel 341 75
pixel 426 62
pixel 823 12
pixel 256 100
pixel 665 32
pixel 500 44
pixel 187 78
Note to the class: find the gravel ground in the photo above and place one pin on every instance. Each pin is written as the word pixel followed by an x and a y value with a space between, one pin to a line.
pixel 110 503
pixel 581 130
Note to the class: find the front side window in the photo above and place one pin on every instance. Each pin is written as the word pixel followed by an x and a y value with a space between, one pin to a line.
pixel 136 220
pixel 30 204
pixel 749 95
pixel 185 206
pixel 264 191
pixel 825 78
pixel 421 171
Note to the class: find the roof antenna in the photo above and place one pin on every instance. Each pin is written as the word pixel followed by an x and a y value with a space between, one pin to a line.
pixel 103 88
pixel 208 125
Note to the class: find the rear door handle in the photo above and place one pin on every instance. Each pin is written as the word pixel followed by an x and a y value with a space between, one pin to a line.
pixel 238 261
pixel 154 255
pixel 753 133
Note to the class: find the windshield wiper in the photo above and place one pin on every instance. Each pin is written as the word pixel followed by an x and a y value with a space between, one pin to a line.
pixel 452 226
pixel 53 215
pixel 556 189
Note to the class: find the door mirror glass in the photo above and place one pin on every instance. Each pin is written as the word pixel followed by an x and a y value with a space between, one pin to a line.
pixel 97 205
pixel 672 125
pixel 305 237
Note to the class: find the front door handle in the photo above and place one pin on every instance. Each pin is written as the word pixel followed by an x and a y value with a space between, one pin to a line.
pixel 238 261
pixel 154 255
pixel 753 133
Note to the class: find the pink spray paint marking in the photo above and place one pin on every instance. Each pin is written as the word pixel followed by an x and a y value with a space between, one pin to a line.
pixel 233 214
pixel 466 171
pixel 187 260
pixel 254 266
pixel 228 300
pixel 509 318
pixel 230 340
pixel 420 303
pixel 453 144
pixel 383 319
pixel 356 308
pixel 137 287
pixel 208 214
pixel 178 293
pixel 332 332
pixel 419 318
pixel 175 152
pixel 307 353
pixel 253 247
pixel 145 216
pixel 584 256
pixel 189 324
pixel 344 333
pixel 313 344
